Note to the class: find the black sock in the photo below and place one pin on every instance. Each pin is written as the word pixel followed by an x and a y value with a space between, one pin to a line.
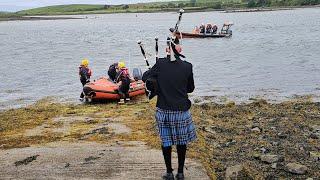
pixel 166 151
pixel 181 150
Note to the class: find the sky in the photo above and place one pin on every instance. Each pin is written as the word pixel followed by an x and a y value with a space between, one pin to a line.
pixel 16 5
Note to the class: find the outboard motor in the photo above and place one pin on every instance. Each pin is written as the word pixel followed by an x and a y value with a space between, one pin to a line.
pixel 137 74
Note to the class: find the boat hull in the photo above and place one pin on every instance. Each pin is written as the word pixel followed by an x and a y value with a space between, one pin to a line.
pixel 104 89
pixel 191 35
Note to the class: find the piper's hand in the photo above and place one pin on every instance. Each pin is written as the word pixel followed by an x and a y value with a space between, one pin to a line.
pixel 181 11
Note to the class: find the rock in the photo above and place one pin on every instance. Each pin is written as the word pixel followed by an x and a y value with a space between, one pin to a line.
pixel 256 156
pixel 264 150
pixel 236 172
pixel 296 168
pixel 315 128
pixel 269 158
pixel 255 125
pixel 274 166
pixel 315 156
pixel 255 130
pixel 272 120
pixel 209 130
pixel 315 136
pixel 67 165
pixel 26 161
pixel 231 142
pixel 273 128
pixel 282 135
pixel 309 179
pixel 275 143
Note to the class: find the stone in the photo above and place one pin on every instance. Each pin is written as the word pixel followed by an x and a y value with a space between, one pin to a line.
pixel 269 158
pixel 272 120
pixel 255 130
pixel 296 168
pixel 256 156
pixel 315 128
pixel 264 150
pixel 274 166
pixel 231 142
pixel 282 135
pixel 314 155
pixel 209 130
pixel 236 172
pixel 67 165
pixel 315 136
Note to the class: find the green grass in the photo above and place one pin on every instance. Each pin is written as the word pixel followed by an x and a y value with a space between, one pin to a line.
pixel 61 9
pixel 8 15
pixel 189 5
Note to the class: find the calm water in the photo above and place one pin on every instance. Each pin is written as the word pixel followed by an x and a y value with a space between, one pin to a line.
pixel 274 55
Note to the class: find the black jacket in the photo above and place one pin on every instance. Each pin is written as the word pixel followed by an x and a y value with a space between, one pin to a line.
pixel 175 81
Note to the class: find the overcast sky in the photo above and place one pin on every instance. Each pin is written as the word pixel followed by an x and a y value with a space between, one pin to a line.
pixel 16 5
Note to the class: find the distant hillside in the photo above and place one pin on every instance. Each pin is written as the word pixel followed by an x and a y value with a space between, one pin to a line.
pixel 61 9
pixel 191 5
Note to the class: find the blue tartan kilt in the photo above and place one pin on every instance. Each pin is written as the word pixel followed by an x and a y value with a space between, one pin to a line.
pixel 175 127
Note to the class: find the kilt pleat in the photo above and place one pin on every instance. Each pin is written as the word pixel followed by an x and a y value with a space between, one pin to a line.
pixel 175 127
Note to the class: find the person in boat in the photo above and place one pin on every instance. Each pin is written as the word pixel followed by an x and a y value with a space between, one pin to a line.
pixel 84 74
pixel 123 81
pixel 196 30
pixel 202 28
pixel 209 29
pixel 174 79
pixel 112 71
pixel 214 29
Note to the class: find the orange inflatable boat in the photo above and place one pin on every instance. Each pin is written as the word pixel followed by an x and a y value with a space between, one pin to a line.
pixel 105 89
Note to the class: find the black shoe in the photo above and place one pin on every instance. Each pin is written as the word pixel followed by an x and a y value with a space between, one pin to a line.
pixel 168 176
pixel 180 176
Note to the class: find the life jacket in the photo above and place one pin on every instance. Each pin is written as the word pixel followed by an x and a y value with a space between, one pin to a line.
pixel 123 74
pixel 84 73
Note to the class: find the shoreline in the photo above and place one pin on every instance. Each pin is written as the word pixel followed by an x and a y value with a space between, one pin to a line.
pixel 262 138
pixel 35 18
pixel 188 10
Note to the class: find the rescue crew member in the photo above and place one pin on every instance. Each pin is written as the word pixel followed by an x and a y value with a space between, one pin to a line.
pixel 202 28
pixel 112 71
pixel 209 28
pixel 196 30
pixel 214 29
pixel 123 80
pixel 84 74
